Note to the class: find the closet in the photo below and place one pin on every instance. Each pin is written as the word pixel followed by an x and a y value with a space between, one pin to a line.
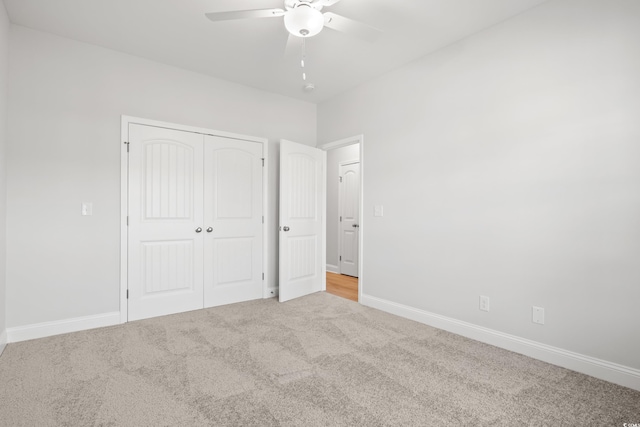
pixel 195 221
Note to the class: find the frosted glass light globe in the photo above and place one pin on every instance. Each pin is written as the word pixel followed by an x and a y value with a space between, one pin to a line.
pixel 304 21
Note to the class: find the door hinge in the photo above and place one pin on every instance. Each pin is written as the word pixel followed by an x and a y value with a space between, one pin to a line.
pixel 127 220
pixel 262 276
pixel 263 219
pixel 340 219
pixel 340 257
pixel 127 293
pixel 340 179
pixel 127 144
pixel 263 162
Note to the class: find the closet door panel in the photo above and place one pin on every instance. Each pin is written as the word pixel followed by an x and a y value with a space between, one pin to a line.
pixel 165 208
pixel 233 221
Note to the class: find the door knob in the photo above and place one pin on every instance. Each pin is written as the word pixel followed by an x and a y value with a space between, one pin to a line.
pixel 199 230
pixel 286 228
pixel 209 230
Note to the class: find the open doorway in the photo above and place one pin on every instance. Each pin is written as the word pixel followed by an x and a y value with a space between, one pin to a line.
pixel 342 285
pixel 344 227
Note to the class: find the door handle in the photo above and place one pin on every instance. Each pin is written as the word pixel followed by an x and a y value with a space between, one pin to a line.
pixel 286 228
pixel 355 226
pixel 199 230
pixel 209 230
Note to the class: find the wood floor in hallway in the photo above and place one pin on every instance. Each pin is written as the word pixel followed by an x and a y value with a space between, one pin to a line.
pixel 342 286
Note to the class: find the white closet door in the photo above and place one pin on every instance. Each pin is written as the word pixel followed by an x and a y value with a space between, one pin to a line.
pixel 302 220
pixel 349 218
pixel 232 221
pixel 165 212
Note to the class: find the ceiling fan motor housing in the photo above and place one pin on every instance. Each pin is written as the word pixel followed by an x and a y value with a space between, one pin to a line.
pixel 304 20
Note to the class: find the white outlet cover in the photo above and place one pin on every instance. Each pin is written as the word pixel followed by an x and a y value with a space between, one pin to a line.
pixel 378 210
pixel 484 303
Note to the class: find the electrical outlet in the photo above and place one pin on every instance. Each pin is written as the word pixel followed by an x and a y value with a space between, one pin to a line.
pixel 537 315
pixel 484 303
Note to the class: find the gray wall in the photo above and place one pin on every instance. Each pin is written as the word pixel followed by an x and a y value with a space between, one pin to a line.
pixel 508 165
pixel 4 61
pixel 65 102
pixel 334 158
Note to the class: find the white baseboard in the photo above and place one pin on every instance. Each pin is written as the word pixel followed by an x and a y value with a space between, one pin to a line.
pixel 3 341
pixel 333 269
pixel 47 329
pixel 608 371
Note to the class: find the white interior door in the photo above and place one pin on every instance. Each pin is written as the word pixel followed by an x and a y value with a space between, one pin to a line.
pixel 349 206
pixel 165 212
pixel 302 220
pixel 232 221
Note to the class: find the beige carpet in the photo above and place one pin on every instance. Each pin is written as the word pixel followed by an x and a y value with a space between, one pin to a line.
pixel 316 361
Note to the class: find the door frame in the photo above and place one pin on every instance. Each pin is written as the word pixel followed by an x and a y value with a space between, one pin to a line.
pixel 124 197
pixel 357 139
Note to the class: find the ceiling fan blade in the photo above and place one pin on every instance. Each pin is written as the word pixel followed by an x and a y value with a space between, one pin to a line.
pixel 326 2
pixel 242 14
pixel 294 46
pixel 351 27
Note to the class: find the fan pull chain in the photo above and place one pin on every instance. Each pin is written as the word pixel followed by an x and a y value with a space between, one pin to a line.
pixel 302 59
pixel 307 87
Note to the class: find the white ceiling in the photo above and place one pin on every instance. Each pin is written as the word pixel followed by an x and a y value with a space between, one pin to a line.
pixel 251 52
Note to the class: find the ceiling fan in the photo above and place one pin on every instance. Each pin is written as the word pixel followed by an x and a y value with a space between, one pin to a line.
pixel 304 18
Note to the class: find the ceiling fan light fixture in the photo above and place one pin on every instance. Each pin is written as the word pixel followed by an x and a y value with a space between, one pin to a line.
pixel 304 21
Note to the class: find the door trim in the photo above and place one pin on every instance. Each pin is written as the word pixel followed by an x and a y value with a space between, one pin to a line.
pixel 124 196
pixel 357 139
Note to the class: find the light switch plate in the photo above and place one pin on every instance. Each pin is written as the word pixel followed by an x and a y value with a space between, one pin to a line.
pixel 87 208
pixel 378 210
